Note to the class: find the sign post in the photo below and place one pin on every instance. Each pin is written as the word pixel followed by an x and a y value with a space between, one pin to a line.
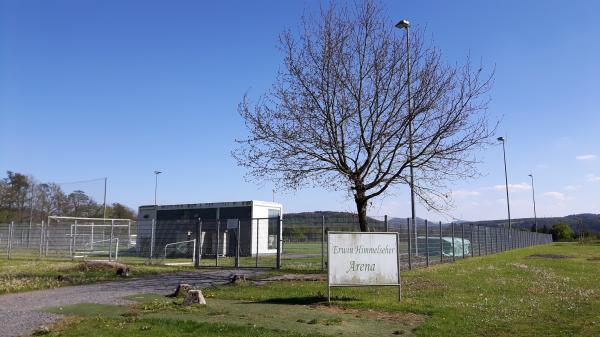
pixel 359 259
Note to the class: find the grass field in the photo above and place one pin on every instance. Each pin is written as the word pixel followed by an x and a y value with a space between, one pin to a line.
pixel 516 293
pixel 26 272
pixel 19 274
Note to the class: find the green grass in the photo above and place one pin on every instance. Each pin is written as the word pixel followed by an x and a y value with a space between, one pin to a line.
pixel 134 327
pixel 507 294
pixel 302 248
pixel 28 272
pixel 235 316
pixel 20 274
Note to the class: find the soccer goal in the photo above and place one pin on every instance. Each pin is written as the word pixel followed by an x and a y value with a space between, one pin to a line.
pixel 179 253
pixel 100 248
pixel 87 237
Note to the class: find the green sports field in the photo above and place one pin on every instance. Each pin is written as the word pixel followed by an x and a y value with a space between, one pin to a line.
pixel 549 290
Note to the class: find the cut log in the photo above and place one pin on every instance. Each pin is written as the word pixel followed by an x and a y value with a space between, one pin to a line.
pixel 194 297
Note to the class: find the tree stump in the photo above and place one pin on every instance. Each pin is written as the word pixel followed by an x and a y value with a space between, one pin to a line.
pixel 237 278
pixel 123 271
pixel 194 297
pixel 181 291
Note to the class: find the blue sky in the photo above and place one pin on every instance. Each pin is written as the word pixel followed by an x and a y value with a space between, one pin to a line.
pixel 120 88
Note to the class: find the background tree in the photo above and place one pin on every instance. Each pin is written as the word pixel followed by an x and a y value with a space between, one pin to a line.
pixel 17 201
pixel 562 232
pixel 15 188
pixel 337 114
pixel 120 211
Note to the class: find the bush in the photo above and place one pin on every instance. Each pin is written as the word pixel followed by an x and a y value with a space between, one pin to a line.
pixel 562 232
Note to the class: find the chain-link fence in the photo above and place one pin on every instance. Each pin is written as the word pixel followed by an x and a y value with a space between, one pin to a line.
pixel 421 244
pixel 296 243
pixel 239 243
pixel 69 237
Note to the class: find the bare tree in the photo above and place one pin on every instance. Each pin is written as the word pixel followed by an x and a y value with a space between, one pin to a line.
pixel 337 115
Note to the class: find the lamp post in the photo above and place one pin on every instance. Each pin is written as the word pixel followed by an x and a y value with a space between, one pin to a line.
pixel 405 24
pixel 156 173
pixel 104 203
pixel 501 139
pixel 534 212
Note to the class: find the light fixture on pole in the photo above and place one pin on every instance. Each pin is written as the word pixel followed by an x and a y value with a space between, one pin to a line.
pixel 534 211
pixel 156 173
pixel 405 24
pixel 501 139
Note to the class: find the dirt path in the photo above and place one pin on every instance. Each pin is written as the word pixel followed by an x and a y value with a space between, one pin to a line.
pixel 20 315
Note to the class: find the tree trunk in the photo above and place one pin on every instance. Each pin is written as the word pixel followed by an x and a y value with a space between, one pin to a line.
pixel 361 208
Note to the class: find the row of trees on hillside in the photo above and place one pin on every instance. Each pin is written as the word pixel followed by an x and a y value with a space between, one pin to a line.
pixel 564 232
pixel 23 198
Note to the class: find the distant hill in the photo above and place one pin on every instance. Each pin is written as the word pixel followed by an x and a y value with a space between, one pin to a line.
pixel 316 218
pixel 590 222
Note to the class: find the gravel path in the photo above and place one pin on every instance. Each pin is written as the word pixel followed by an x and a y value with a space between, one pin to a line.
pixel 20 315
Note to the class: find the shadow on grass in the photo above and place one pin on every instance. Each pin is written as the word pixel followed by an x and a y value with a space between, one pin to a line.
pixel 305 300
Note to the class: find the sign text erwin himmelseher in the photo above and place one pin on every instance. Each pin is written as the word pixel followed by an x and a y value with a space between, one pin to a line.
pixel 362 258
pixel 355 265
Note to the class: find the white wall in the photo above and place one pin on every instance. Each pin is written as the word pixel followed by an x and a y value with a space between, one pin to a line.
pixel 260 209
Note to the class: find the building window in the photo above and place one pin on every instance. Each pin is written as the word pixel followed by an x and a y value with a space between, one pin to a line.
pixel 273 227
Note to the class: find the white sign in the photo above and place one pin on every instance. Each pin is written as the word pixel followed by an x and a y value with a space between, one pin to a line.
pixel 359 259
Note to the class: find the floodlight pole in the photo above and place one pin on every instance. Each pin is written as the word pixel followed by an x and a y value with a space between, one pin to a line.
pixel 104 212
pixel 501 139
pixel 534 211
pixel 405 24
pixel 156 173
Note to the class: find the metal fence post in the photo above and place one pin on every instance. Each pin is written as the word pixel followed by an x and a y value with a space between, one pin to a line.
pixel 218 225
pixel 323 242
pixel 74 239
pixel 441 244
pixel 496 239
pixel 112 236
pixel 463 238
pixel 279 243
pixel 385 222
pixel 71 240
pixel 257 235
pixel 199 243
pixel 152 229
pixel 128 234
pixel 426 243
pixel 471 245
pixel 479 239
pixel 416 242
pixel 41 238
pixel 485 240
pixel 453 251
pixel 237 245
pixel 10 236
pixel 409 245
pixel 47 238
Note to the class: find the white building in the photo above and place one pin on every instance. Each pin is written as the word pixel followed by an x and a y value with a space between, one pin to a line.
pixel 259 226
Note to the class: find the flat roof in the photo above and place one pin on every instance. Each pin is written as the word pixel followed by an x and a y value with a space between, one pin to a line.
pixel 221 204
